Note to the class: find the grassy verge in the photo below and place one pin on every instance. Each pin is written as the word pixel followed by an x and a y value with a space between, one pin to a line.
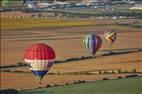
pixel 121 86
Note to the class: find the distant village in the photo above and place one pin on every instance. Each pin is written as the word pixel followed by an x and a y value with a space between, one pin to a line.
pixel 76 8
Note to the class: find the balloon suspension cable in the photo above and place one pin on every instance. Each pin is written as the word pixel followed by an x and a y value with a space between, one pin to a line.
pixel 93 56
pixel 40 83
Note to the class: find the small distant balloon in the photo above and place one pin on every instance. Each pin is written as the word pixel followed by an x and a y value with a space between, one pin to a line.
pixel 110 36
pixel 92 43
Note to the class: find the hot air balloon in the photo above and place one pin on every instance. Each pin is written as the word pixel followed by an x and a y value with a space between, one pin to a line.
pixel 92 43
pixel 110 36
pixel 40 58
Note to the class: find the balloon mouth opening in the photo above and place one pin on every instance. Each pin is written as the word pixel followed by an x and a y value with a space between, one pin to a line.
pixel 39 73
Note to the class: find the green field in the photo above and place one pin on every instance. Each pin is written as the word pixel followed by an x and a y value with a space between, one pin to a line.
pixel 121 86
pixel 28 23
pixel 31 23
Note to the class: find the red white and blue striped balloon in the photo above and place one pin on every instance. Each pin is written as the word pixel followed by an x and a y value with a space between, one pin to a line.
pixel 40 57
pixel 92 43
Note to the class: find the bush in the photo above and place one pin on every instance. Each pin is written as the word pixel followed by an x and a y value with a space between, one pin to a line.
pixel 87 73
pixel 66 83
pixel 7 70
pixel 126 71
pixel 59 61
pixel 33 15
pixel 128 76
pixel 21 64
pixel 100 72
pixel 58 73
pixel 75 73
pixel 75 82
pixel 55 85
pixel 83 81
pixel 9 91
pixel 113 72
pixel 119 70
pixel 48 86
pixel 105 79
pixel 40 15
pixel 134 70
pixel 79 81
pixel 51 73
pixel 71 59
pixel 119 77
pixel 9 66
pixel 82 57
pixel 18 71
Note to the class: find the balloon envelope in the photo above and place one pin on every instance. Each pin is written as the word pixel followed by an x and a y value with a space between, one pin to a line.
pixel 110 36
pixel 40 57
pixel 92 43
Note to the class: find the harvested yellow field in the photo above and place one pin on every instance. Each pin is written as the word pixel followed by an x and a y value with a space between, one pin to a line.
pixel 66 45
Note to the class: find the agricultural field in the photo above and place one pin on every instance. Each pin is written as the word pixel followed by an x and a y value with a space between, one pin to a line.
pixel 39 23
pixel 121 86
pixel 26 34
pixel 27 23
pixel 65 36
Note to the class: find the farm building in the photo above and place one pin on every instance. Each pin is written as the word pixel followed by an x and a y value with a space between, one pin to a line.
pixel 86 1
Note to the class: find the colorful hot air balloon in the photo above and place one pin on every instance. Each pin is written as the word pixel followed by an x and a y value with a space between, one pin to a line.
pixel 110 36
pixel 40 57
pixel 92 43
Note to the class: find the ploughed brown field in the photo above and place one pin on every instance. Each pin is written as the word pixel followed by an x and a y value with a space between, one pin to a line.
pixel 67 43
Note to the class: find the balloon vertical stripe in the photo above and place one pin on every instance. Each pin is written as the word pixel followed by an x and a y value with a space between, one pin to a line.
pixel 99 42
pixel 92 43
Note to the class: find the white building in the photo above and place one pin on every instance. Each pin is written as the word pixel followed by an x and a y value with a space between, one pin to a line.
pixel 137 7
pixel 87 1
